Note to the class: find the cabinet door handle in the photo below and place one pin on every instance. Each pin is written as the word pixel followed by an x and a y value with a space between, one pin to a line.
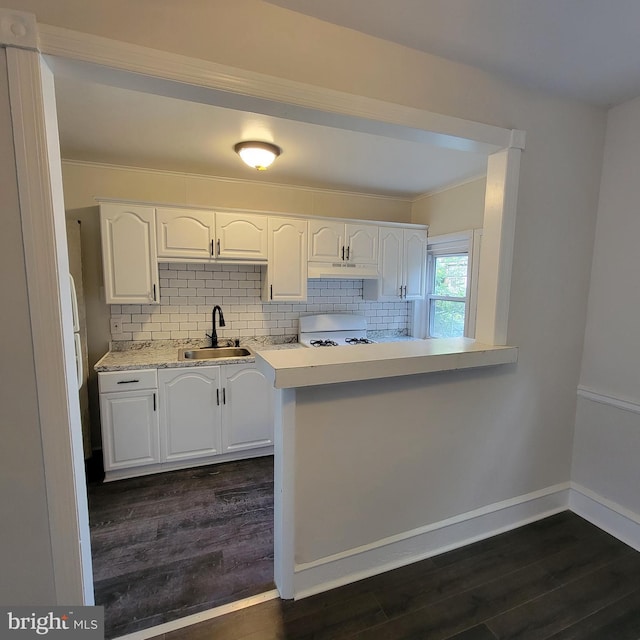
pixel 218 246
pixel 271 292
pixel 343 252
pixel 224 395
pixel 405 291
pixel 401 291
pixel 154 401
pixel 154 293
pixel 212 253
pixel 127 381
pixel 348 252
pixel 218 397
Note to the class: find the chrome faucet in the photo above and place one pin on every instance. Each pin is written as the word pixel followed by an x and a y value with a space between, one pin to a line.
pixel 214 335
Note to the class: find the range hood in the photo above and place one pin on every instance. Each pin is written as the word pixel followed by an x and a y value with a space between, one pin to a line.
pixel 342 270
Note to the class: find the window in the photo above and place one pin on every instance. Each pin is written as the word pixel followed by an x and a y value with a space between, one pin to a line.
pixel 448 294
pixel 452 284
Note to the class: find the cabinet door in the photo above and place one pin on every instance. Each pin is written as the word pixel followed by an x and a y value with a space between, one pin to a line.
pixel 286 277
pixel 247 409
pixel 391 260
pixel 415 263
pixel 242 236
pixel 362 243
pixel 326 241
pixel 129 254
pixel 130 434
pixel 185 234
pixel 190 403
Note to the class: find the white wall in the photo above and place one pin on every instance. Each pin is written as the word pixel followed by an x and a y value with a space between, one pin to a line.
pixel 607 443
pixel 534 402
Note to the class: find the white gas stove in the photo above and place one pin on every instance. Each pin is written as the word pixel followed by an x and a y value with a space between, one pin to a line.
pixel 333 330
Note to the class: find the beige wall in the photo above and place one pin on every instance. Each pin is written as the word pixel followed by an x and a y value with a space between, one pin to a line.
pixel 457 208
pixel 84 182
pixel 533 407
pixel 25 550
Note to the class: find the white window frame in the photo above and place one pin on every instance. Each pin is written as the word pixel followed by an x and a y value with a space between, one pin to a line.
pixel 468 242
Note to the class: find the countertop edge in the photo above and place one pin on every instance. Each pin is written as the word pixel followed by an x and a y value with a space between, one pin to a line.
pixel 104 368
pixel 329 373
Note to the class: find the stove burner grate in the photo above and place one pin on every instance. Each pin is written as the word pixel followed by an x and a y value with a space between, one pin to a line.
pixel 323 343
pixel 358 341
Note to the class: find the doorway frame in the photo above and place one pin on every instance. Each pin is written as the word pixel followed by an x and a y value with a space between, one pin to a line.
pixel 32 101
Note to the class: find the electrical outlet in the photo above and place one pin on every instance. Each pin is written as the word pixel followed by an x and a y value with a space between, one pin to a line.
pixel 116 325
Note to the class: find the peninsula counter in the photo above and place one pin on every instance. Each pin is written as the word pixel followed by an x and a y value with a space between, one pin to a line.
pixel 372 457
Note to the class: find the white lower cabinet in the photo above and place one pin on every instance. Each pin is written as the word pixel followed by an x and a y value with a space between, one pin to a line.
pixel 247 410
pixel 130 431
pixel 205 411
pixel 192 415
pixel 190 412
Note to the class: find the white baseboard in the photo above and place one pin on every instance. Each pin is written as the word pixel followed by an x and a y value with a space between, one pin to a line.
pixel 190 463
pixel 396 551
pixel 606 515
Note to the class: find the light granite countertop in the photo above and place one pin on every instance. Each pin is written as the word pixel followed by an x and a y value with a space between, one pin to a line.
pixel 163 354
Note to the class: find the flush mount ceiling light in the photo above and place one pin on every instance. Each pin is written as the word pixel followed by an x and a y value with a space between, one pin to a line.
pixel 258 155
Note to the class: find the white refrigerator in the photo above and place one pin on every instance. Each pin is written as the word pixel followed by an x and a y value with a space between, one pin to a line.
pixel 79 328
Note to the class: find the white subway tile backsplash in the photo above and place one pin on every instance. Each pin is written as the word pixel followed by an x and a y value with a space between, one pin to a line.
pixel 188 293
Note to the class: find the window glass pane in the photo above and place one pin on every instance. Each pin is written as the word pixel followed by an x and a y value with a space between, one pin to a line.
pixel 447 319
pixel 451 276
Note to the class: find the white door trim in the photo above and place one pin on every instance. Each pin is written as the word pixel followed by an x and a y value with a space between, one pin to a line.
pixel 41 209
pixel 181 76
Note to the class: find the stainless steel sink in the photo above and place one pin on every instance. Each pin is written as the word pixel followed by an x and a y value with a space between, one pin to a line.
pixel 212 353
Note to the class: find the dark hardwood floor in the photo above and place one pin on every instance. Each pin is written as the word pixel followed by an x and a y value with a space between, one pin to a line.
pixel 172 544
pixel 557 579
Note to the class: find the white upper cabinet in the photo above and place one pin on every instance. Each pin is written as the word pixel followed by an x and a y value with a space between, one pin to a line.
pixel 242 236
pixel 326 240
pixel 402 263
pixel 331 241
pixel 185 233
pixel 192 234
pixel 362 243
pixel 129 258
pixel 415 264
pixel 286 273
pixel 391 258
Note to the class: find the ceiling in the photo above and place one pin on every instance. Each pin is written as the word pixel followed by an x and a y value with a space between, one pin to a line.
pixel 106 123
pixel 582 49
